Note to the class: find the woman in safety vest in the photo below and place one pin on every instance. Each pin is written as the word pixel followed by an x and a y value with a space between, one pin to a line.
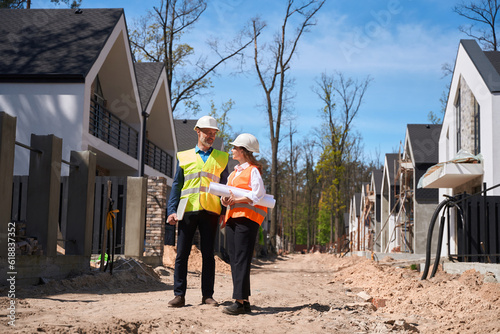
pixel 243 218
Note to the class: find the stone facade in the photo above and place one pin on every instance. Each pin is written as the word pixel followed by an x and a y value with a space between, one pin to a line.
pixel 467 105
pixel 155 216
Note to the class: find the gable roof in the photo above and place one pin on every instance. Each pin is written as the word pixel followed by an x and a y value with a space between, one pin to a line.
pixel 494 58
pixel 377 175
pixel 424 140
pixel 357 201
pixel 390 158
pixel 54 45
pixel 147 78
pixel 486 63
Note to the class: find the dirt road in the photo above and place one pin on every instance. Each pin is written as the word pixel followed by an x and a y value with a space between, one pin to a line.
pixel 311 293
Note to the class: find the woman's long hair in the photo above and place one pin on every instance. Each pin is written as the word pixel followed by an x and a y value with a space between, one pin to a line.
pixel 251 159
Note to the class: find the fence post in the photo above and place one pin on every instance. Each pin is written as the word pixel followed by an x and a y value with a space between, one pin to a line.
pixel 81 185
pixel 135 218
pixel 44 188
pixel 7 148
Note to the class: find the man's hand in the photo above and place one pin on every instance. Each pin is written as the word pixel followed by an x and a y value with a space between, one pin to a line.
pixel 172 219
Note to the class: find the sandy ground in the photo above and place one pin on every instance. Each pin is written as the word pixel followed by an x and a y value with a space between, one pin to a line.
pixel 295 293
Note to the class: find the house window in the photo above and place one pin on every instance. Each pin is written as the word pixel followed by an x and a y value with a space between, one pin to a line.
pixel 477 129
pixel 458 110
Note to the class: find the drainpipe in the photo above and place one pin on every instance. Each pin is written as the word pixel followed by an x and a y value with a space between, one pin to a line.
pixel 145 116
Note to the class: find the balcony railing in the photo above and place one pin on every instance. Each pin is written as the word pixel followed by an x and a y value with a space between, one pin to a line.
pixel 158 159
pixel 112 130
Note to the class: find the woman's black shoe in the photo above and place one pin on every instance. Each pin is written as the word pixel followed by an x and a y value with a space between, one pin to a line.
pixel 236 308
pixel 246 306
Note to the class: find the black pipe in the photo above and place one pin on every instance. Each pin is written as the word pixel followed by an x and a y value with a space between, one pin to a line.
pixel 440 243
pixel 429 238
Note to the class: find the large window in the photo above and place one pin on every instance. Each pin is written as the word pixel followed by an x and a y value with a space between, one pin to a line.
pixel 477 128
pixel 458 115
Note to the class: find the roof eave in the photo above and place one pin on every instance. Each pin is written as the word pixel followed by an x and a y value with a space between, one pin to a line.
pixel 42 78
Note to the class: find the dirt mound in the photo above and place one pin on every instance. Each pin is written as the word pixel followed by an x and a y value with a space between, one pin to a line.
pixel 446 298
pixel 128 274
pixel 195 262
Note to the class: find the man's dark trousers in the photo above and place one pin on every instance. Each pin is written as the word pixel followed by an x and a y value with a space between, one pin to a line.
pixel 206 222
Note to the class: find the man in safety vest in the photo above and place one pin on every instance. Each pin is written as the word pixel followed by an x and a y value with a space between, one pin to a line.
pixel 193 207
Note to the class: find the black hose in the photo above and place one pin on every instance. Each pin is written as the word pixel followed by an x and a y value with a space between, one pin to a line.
pixel 440 243
pixel 429 238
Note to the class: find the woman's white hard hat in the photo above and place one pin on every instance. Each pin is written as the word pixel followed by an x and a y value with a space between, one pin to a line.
pixel 247 141
pixel 206 122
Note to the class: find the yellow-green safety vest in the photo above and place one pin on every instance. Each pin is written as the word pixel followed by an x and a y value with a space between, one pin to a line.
pixel 197 178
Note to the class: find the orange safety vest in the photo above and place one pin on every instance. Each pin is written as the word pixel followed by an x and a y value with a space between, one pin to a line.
pixel 255 213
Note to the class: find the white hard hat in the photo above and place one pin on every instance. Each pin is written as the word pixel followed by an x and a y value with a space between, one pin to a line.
pixel 247 141
pixel 206 122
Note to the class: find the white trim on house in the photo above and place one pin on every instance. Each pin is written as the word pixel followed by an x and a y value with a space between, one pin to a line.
pixel 473 74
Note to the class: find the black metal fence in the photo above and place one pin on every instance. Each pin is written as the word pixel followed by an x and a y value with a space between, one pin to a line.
pixel 117 195
pixel 478 230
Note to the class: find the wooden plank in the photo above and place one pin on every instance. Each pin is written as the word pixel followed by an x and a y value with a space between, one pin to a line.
pixel 63 208
pixel 24 197
pixel 105 229
pixel 96 240
pixel 16 199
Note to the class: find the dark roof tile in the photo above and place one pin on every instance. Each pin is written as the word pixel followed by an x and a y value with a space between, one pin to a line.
pixel 52 42
pixel 424 139
pixel 147 77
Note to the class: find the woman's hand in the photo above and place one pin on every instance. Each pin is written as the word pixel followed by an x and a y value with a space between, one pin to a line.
pixel 231 200
pixel 228 200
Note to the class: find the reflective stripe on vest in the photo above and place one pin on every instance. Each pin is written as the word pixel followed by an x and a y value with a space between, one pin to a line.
pixel 212 177
pixel 255 213
pixel 197 178
pixel 249 207
pixel 194 191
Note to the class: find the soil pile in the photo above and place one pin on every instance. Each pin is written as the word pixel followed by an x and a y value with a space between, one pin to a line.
pixel 296 293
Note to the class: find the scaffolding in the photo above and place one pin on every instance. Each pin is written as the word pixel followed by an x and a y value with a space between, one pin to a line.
pixel 403 231
pixel 366 222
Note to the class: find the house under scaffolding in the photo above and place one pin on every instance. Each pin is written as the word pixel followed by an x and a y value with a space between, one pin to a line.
pixel 413 208
pixel 404 223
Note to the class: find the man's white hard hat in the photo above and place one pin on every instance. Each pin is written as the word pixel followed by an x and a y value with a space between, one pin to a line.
pixel 206 122
pixel 247 141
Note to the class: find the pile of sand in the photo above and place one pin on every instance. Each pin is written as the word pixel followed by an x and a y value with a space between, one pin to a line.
pixel 447 298
pixel 195 261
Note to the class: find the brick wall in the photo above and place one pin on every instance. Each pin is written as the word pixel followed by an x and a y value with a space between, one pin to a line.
pixel 155 216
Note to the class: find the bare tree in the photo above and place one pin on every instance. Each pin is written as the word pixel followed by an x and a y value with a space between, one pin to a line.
pixel 342 98
pixel 157 38
pixel 484 12
pixel 272 65
pixel 310 188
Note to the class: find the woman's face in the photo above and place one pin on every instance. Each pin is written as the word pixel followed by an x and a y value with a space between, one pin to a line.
pixel 237 153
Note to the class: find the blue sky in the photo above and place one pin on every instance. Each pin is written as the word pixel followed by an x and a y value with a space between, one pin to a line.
pixel 400 44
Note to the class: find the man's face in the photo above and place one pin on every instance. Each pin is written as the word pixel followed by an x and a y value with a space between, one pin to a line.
pixel 206 136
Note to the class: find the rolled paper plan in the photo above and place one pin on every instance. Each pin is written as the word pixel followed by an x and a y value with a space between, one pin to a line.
pixel 222 190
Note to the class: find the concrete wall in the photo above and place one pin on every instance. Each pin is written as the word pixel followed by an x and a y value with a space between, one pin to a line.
pixel 422 217
pixel 31 269
pixel 135 216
